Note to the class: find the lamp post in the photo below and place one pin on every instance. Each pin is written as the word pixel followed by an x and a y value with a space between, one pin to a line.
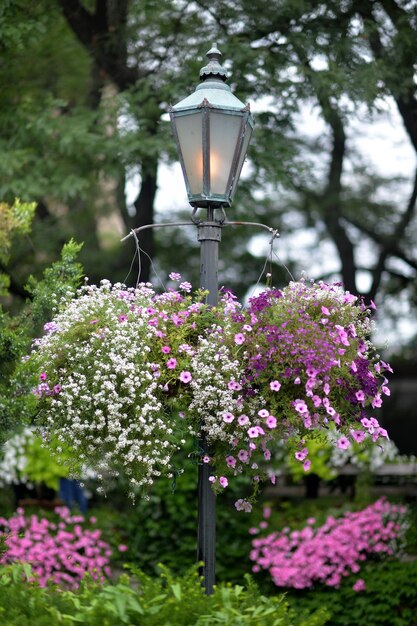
pixel 212 130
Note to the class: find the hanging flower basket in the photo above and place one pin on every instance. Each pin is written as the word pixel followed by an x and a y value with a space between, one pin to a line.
pixel 126 376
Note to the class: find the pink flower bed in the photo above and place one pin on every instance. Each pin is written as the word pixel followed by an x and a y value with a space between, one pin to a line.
pixel 61 552
pixel 326 554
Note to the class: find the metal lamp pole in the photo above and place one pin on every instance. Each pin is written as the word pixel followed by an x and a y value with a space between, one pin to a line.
pixel 212 129
pixel 209 235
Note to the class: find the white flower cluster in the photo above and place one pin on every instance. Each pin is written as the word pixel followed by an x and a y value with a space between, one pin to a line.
pixel 113 360
pixel 366 456
pixel 14 461
pixel 213 369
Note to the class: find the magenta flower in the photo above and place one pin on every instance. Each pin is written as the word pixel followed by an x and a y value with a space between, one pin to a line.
pixel 300 406
pixel 358 435
pixel 325 310
pixel 166 349
pixel 359 585
pixel 185 377
pixel 206 459
pixel 223 481
pixel 186 286
pixel 271 421
pixel 172 364
pixel 175 276
pixel 243 505
pixel 231 461
pixel 243 420
pixel 263 413
pixel 300 455
pixel 57 389
pixel 228 417
pixel 253 432
pixel 306 465
pixel 274 385
pixel 243 456
pixel 122 318
pixel 343 443
pixel 239 338
pixel 122 548
pixel 360 396
pixel 234 386
pixel 42 376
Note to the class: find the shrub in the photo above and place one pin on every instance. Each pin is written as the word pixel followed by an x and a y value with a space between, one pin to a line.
pixel 301 558
pixel 61 552
pixel 164 600
pixel 389 597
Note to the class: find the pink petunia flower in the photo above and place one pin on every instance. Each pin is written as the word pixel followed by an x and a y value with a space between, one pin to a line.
pixel 185 377
pixel 271 421
pixel 343 443
pixel 275 385
pixel 359 585
pixel 300 455
pixel 358 435
pixel 243 456
pixel 239 339
pixel 172 364
pixel 360 396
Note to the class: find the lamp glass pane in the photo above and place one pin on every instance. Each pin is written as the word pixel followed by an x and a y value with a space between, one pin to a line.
pixel 224 135
pixel 191 142
pixel 242 156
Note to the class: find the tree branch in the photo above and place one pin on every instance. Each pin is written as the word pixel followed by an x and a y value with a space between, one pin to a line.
pixel 103 41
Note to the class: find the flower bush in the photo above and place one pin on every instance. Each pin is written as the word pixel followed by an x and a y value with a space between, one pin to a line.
pixel 25 460
pixel 301 558
pixel 126 375
pixel 61 552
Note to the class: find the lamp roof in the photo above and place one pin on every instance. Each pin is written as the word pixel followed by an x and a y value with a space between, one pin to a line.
pixel 212 89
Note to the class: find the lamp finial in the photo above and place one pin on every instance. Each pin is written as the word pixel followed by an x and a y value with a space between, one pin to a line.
pixel 213 69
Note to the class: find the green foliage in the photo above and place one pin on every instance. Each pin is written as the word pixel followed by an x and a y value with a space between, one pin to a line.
pixel 59 282
pixel 15 220
pixel 165 600
pixel 388 600
pixel 319 453
pixel 164 528
pixel 42 466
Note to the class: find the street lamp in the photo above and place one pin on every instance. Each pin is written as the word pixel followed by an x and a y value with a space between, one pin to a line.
pixel 212 130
